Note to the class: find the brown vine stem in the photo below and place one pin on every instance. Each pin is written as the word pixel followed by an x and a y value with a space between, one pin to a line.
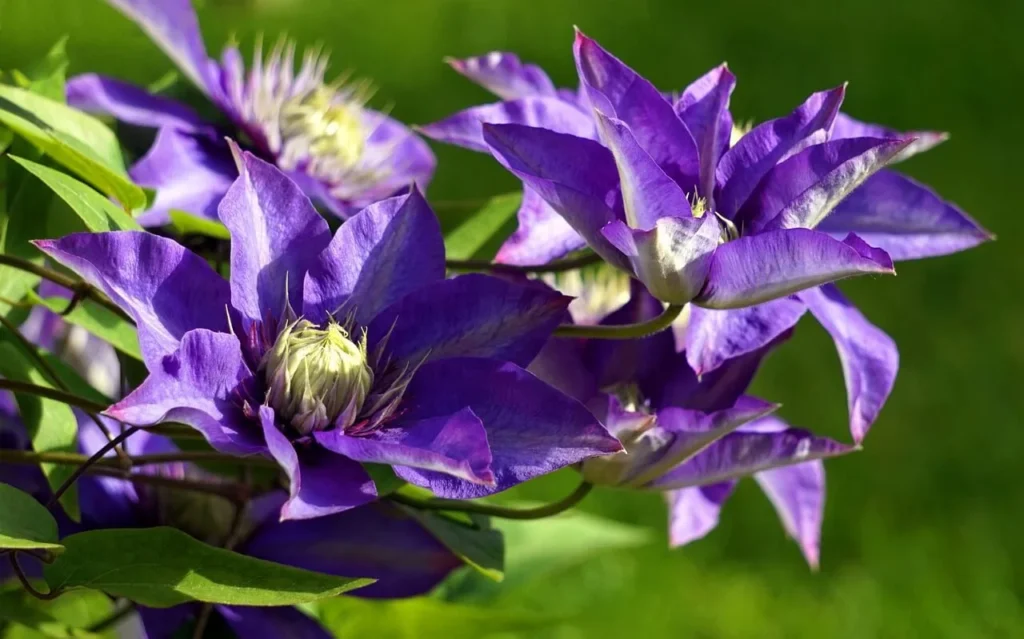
pixel 78 287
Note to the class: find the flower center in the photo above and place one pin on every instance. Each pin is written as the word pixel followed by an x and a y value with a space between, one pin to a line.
pixel 317 378
pixel 325 127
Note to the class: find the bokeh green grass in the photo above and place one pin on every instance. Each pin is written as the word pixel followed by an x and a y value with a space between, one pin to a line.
pixel 923 536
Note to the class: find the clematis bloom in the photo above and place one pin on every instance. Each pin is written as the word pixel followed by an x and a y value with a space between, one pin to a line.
pixel 343 154
pixel 435 386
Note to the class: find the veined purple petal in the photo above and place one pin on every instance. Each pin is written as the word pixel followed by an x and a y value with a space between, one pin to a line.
pixel 693 512
pixel 276 236
pixel 742 167
pixel 714 337
pixel 542 235
pixel 647 192
pixel 285 622
pixel 173 26
pixel 620 92
pixel 869 356
pixel 377 540
pixel 532 429
pixel 704 109
pixel 321 483
pixel 904 218
pixel 846 127
pixel 190 172
pixel 673 260
pixel 759 268
pixel 802 190
pixel 455 444
pixel 167 289
pixel 744 453
pixel 202 384
pixel 798 494
pixel 465 128
pixel 505 76
pixel 126 102
pixel 384 252
pixel 469 316
pixel 576 176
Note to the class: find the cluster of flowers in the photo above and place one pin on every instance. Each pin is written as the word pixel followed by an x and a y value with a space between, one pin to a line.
pixel 705 243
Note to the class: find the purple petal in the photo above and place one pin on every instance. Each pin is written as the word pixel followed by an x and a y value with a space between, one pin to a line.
pixel 759 268
pixel 276 236
pixel 469 316
pixel 167 289
pixel 455 445
pixel 504 75
pixel 173 26
pixel 395 155
pixel 620 92
pixel 742 167
pixel 801 191
pixel 846 127
pixel 904 218
pixel 744 453
pixel 532 429
pixel 465 128
pixel 281 622
pixel 202 384
pixel 693 512
pixel 869 356
pixel 542 235
pixel 377 540
pixel 561 364
pixel 673 260
pixel 704 109
pixel 320 482
pixel 384 252
pixel 715 337
pixel 798 494
pixel 647 192
pixel 126 102
pixel 576 176
pixel 164 623
pixel 190 173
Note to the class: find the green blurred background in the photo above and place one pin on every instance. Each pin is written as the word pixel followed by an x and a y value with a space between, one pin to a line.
pixel 923 533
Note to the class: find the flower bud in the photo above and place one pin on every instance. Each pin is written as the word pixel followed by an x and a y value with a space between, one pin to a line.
pixel 317 377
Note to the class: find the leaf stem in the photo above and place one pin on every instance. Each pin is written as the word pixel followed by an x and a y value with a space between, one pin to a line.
pixel 79 288
pixel 540 512
pixel 623 331
pixel 559 266
pixel 84 466
pixel 56 457
pixel 27 585
pixel 52 393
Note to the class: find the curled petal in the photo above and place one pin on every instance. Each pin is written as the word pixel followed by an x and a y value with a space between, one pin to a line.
pixel 713 337
pixel 869 356
pixel 904 218
pixel 693 512
pixel 704 108
pixel 505 76
pixel 798 494
pixel 743 166
pixel 759 268
pixel 921 141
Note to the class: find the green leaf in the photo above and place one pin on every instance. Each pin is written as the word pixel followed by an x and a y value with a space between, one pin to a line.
pixel 51 424
pixel 74 139
pixel 47 75
pixel 188 224
pixel 65 617
pixel 481 548
pixel 96 319
pixel 536 548
pixel 18 226
pixel 26 524
pixel 97 212
pixel 422 617
pixel 162 567
pixel 482 227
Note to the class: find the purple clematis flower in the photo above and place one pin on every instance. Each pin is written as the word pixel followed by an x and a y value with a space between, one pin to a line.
pixel 343 154
pixel 325 353
pixel 690 438
pixel 789 172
